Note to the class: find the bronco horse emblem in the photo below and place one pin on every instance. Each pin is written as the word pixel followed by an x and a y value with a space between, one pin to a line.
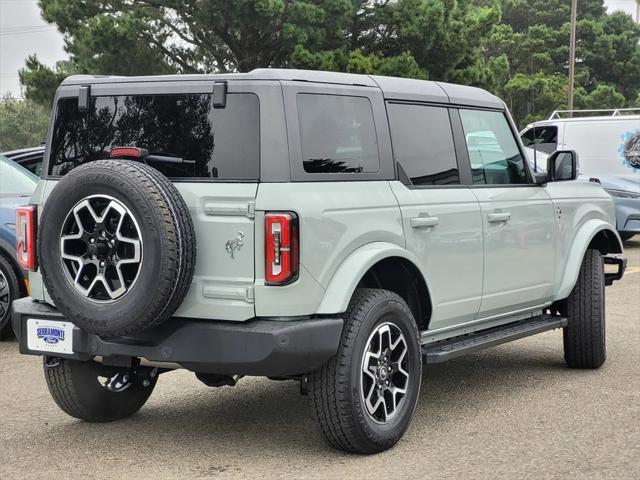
pixel 236 244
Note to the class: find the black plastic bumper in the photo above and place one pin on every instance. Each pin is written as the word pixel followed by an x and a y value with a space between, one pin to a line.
pixel 256 347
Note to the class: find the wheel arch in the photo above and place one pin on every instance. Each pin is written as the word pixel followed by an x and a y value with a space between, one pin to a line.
pixel 594 234
pixel 380 265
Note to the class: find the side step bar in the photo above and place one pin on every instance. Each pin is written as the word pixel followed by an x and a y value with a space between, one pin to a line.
pixel 621 263
pixel 443 350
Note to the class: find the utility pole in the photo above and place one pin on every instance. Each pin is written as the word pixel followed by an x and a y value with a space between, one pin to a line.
pixel 572 52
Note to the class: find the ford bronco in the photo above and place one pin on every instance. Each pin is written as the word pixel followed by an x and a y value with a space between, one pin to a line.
pixel 334 229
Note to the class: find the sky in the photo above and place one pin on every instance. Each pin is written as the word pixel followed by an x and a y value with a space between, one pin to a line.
pixel 23 32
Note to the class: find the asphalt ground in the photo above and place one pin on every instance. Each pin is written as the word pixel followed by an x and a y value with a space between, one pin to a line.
pixel 513 411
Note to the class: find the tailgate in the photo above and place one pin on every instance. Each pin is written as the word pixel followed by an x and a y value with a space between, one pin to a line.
pixel 223 217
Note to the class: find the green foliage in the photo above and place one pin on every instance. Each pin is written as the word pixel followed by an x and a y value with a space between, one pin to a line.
pixel 516 48
pixel 23 123
pixel 534 38
pixel 40 81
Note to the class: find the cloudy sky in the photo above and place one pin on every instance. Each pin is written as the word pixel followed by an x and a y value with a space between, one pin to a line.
pixel 23 32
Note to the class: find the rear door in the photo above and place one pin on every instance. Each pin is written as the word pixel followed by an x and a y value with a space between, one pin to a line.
pixel 441 216
pixel 218 181
pixel 518 217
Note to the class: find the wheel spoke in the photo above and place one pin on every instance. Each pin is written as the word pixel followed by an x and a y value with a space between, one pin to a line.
pixel 384 375
pixel 4 286
pixel 5 295
pixel 398 363
pixel 93 255
pixel 112 293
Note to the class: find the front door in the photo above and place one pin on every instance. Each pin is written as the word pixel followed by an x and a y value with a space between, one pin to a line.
pixel 518 218
pixel 441 217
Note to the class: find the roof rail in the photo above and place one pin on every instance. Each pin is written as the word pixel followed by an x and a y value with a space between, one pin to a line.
pixel 612 112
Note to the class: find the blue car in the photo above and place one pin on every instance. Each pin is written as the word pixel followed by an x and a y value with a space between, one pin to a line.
pixel 625 191
pixel 16 186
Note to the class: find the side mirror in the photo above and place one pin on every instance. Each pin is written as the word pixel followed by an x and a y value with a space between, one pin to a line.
pixel 562 165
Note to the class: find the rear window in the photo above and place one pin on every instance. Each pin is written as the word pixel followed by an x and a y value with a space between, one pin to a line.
pixel 337 134
pixel 222 144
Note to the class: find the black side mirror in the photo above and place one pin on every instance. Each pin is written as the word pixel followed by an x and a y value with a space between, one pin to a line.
pixel 562 165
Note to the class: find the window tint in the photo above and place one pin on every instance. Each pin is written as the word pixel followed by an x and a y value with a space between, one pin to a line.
pixel 543 138
pixel 493 151
pixel 423 143
pixel 337 134
pixel 217 143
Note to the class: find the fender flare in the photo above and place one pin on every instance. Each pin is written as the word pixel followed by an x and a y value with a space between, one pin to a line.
pixel 578 248
pixel 341 287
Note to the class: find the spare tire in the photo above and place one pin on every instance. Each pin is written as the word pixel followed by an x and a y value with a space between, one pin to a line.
pixel 116 247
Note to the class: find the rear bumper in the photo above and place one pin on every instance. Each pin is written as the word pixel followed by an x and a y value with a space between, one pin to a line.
pixel 256 347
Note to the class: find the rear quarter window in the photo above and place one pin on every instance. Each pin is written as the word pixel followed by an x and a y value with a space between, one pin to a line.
pixel 217 144
pixel 337 134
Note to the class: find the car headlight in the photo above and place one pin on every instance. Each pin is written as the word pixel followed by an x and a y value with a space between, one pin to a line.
pixel 623 193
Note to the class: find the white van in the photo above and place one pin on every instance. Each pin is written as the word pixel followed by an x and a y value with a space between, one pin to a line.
pixel 608 146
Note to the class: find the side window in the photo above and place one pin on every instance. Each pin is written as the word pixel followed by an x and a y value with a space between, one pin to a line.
pixel 337 134
pixel 493 151
pixel 543 138
pixel 423 143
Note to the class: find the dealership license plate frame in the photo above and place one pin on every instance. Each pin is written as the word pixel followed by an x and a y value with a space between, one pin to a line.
pixel 49 336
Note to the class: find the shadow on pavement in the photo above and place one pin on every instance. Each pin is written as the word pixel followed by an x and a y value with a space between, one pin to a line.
pixel 260 415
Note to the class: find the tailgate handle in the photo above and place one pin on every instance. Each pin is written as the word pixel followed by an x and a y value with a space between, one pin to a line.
pixel 424 222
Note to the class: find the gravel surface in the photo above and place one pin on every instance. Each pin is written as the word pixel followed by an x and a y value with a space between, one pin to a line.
pixel 513 411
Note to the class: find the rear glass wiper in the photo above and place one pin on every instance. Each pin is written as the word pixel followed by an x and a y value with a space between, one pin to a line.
pixel 143 154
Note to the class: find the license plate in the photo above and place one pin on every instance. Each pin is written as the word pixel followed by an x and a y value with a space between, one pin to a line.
pixel 49 336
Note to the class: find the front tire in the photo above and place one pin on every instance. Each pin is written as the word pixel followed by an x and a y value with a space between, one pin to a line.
pixel 584 336
pixel 79 389
pixel 365 396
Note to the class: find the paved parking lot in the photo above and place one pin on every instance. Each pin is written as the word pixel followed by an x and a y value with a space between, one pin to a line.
pixel 510 412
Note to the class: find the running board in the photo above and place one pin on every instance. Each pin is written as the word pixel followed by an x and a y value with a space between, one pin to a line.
pixel 443 350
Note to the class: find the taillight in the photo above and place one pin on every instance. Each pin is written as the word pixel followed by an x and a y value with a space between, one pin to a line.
pixel 134 152
pixel 281 248
pixel 26 236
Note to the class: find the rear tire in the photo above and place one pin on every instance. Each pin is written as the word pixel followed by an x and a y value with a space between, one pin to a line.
pixel 76 388
pixel 9 291
pixel 342 393
pixel 584 336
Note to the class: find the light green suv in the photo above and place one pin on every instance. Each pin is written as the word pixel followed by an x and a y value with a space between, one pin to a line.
pixel 338 230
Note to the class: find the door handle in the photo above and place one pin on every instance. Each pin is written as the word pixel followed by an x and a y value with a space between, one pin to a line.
pixel 423 222
pixel 499 217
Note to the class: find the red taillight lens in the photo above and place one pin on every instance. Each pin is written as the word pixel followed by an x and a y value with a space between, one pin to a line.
pixel 26 236
pixel 281 248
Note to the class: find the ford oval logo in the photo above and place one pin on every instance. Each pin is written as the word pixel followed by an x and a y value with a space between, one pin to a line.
pixel 50 335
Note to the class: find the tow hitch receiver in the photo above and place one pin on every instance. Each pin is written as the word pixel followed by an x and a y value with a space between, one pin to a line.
pixel 610 277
